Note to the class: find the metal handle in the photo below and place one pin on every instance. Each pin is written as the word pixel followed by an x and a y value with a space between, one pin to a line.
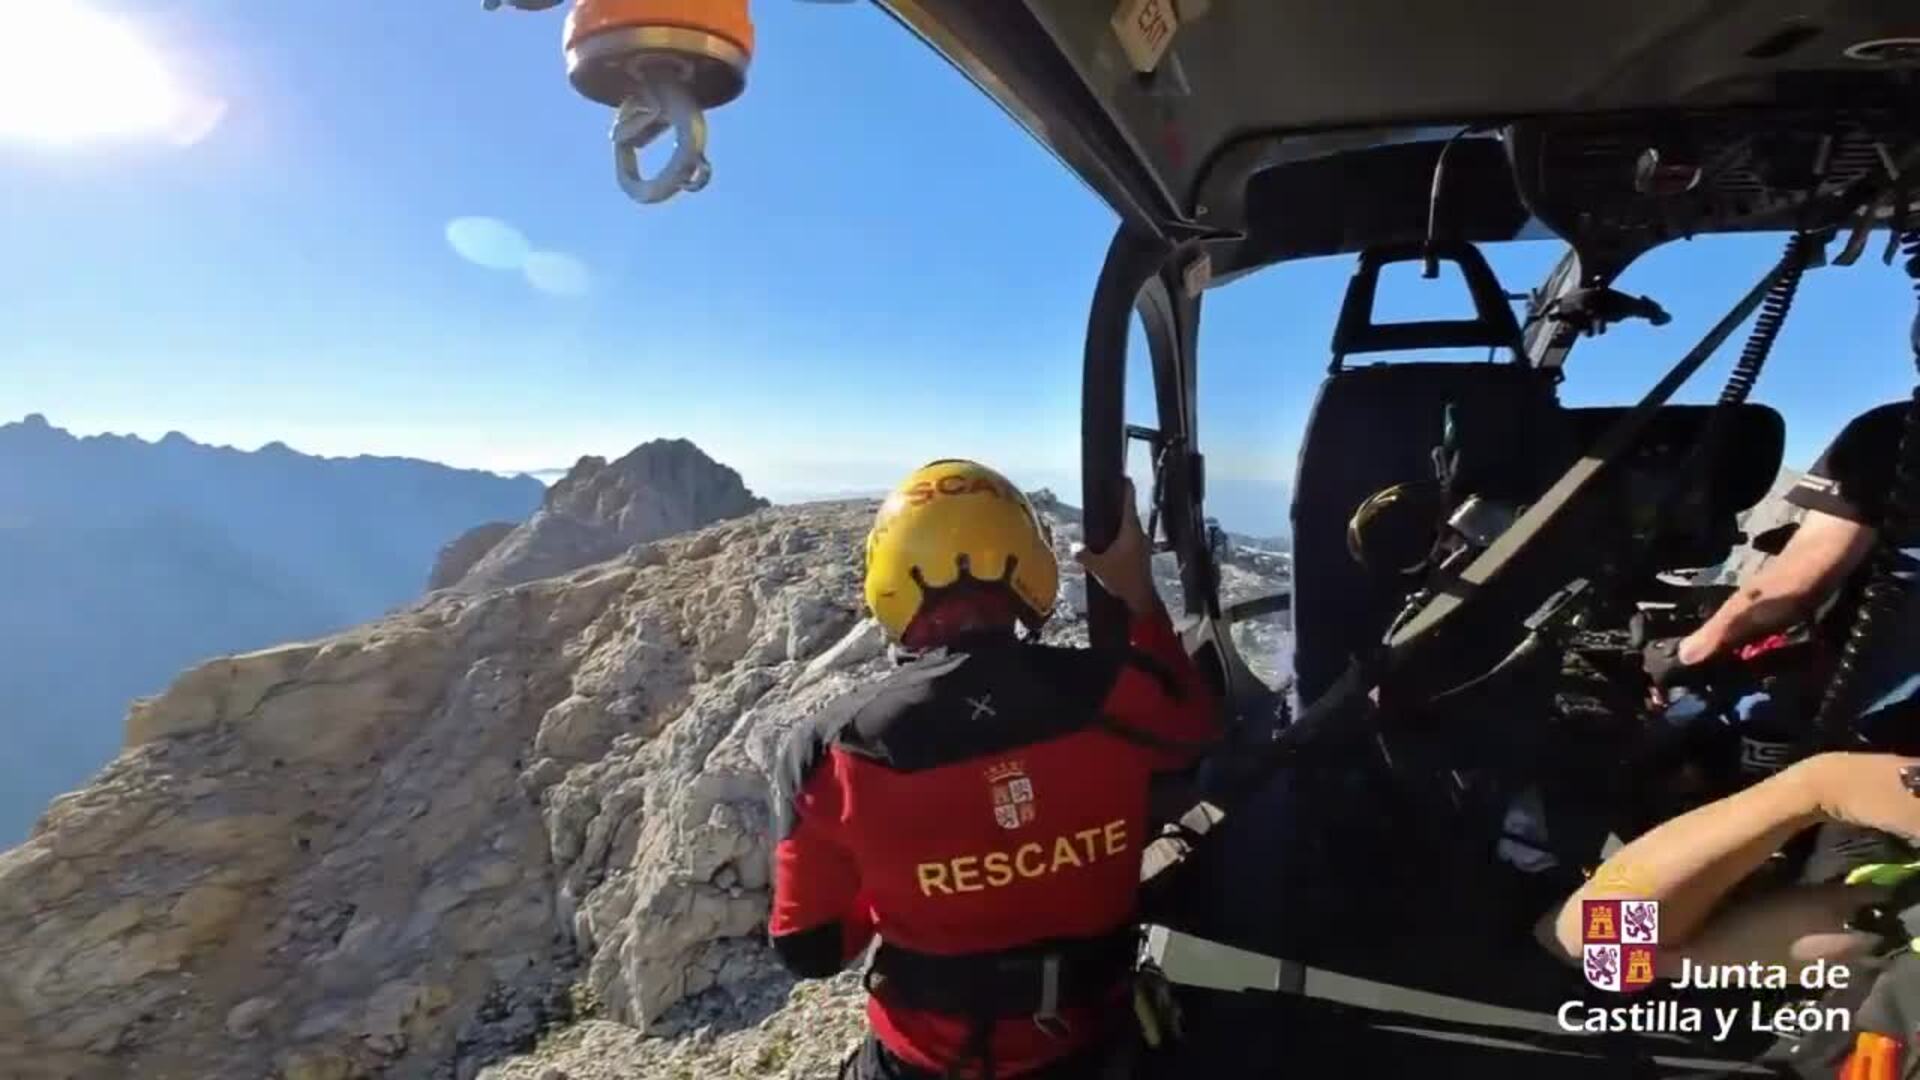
pixel 661 103
pixel 1259 607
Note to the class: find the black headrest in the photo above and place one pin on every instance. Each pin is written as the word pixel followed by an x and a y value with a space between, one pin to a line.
pixel 1752 445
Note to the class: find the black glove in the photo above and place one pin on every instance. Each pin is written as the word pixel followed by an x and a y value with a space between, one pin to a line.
pixel 1661 661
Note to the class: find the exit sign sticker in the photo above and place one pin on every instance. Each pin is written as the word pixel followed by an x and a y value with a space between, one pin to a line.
pixel 1145 28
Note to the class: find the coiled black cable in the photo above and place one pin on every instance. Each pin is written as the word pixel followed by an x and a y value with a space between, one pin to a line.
pixel 1885 593
pixel 1766 326
pixel 1687 491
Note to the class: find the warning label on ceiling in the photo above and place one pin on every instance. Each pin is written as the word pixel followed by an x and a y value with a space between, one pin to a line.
pixel 1146 28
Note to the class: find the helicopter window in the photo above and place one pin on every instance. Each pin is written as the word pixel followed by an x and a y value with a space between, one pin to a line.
pixel 1255 410
pixel 1256 378
pixel 1406 296
pixel 1843 351
pixel 1143 416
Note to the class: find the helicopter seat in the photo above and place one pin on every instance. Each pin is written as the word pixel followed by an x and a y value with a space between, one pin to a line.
pixel 1453 429
pixel 1382 425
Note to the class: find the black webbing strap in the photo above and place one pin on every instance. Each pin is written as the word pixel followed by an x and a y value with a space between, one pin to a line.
pixel 1031 981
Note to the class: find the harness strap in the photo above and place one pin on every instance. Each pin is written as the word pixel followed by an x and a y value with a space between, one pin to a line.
pixel 1885 918
pixel 1035 981
pixel 979 1048
pixel 1049 1010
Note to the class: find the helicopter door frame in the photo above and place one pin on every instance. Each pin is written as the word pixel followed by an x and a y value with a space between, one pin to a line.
pixel 1548 340
pixel 1144 274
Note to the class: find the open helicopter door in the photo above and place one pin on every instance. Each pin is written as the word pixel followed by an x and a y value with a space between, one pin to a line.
pixel 1440 428
pixel 1162 282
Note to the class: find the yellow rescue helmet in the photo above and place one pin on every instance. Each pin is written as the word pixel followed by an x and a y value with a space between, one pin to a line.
pixel 952 524
pixel 1392 533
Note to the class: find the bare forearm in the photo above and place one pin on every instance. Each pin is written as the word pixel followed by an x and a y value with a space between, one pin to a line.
pixel 1821 554
pixel 1788 926
pixel 1690 863
pixel 1759 608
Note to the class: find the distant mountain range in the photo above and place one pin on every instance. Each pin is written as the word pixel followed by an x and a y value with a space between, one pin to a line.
pixel 1049 502
pixel 1255 514
pixel 124 561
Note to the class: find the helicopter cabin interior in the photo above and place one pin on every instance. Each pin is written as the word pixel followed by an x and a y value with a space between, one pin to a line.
pixel 1470 553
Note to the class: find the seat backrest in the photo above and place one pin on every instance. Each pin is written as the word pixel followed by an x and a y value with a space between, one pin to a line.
pixel 1375 426
pixel 1749 447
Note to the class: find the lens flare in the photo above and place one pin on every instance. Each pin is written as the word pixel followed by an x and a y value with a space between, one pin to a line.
pixel 69 75
pixel 557 274
pixel 488 242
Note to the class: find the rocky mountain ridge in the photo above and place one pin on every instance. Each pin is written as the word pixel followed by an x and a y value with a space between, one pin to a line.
pixel 458 557
pixel 598 510
pixel 515 829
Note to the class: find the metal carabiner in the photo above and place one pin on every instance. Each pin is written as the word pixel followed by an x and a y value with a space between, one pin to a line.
pixel 660 104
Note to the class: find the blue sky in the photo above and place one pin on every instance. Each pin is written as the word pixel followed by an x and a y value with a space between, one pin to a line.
pixel 884 268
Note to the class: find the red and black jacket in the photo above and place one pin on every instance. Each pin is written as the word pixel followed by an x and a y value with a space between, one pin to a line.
pixel 984 798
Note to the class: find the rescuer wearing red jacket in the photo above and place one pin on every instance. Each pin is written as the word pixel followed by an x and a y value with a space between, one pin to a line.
pixel 982 809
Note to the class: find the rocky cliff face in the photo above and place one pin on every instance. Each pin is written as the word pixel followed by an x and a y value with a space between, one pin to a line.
pixel 522 821
pixel 460 554
pixel 394 851
pixel 598 510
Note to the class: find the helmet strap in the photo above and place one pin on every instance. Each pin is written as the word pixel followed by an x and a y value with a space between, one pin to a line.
pixel 967 605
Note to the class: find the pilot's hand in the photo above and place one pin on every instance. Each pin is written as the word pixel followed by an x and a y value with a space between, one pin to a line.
pixel 1696 649
pixel 1869 790
pixel 1125 568
pixel 1664 667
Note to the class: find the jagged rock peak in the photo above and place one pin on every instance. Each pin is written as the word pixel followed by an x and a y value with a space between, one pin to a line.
pixel 662 465
pixel 600 509
pixel 582 471
pixel 1048 503
pixel 459 555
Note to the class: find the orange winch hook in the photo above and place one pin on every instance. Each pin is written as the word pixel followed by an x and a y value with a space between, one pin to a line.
pixel 661 64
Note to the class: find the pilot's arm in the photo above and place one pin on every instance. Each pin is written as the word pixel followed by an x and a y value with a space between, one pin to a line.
pixel 1844 494
pixel 1693 863
pixel 1788 589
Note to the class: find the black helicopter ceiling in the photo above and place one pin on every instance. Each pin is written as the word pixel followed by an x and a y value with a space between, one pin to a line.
pixel 1287 128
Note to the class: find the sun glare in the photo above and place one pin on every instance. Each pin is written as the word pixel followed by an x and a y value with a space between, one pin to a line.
pixel 70 74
